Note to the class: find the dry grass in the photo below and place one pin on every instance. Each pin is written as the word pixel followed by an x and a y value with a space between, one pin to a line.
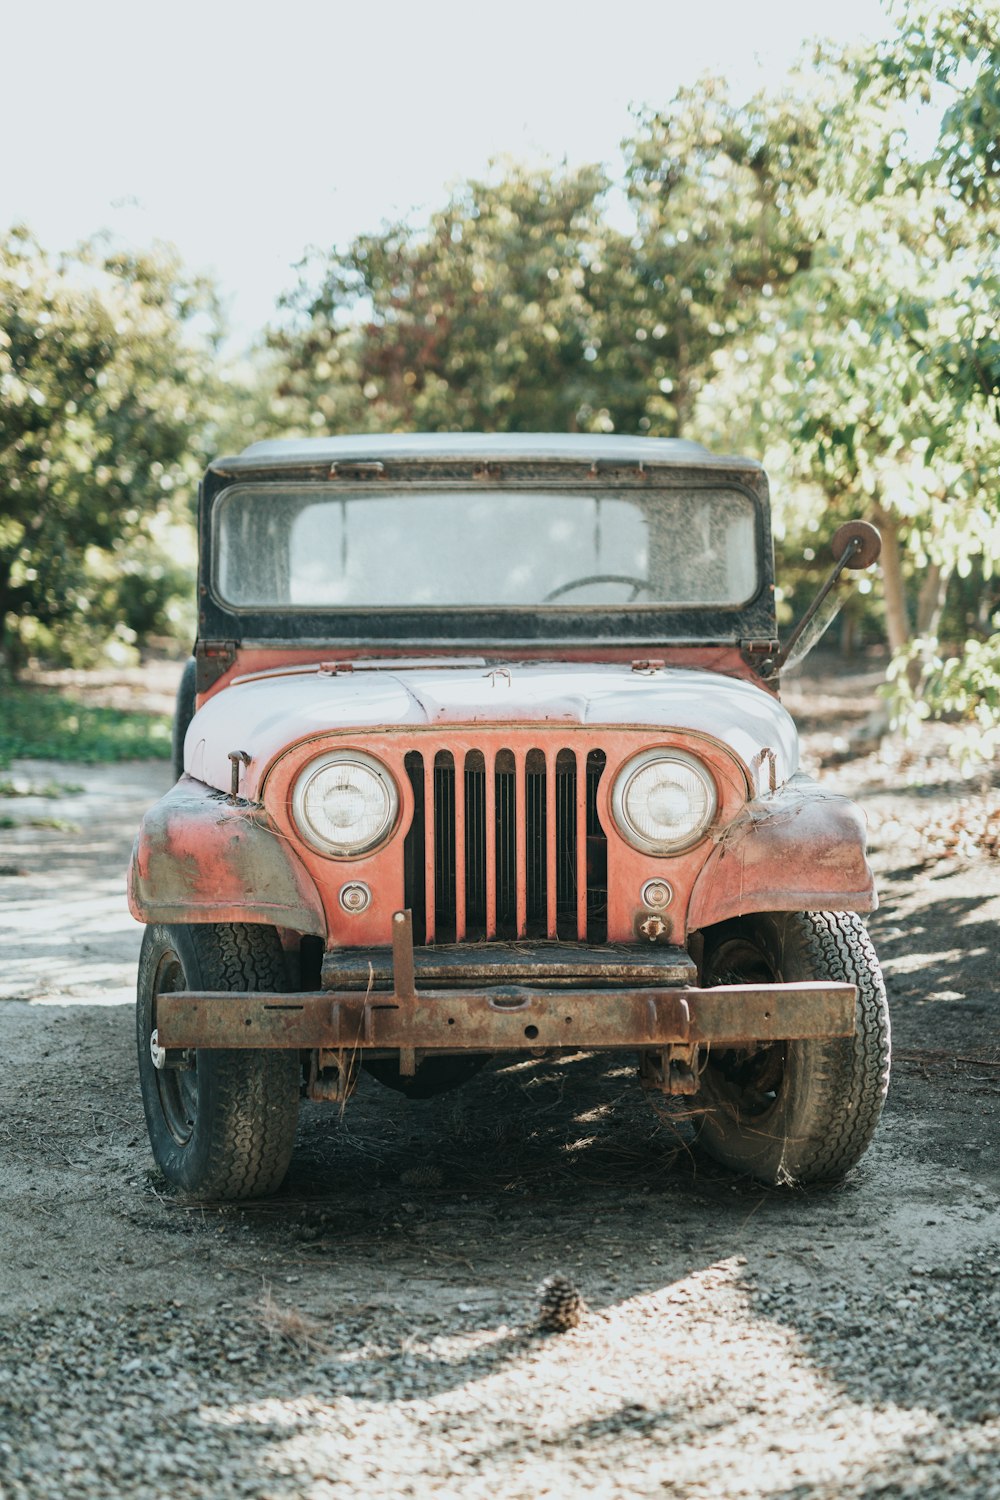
pixel 963 832
pixel 288 1326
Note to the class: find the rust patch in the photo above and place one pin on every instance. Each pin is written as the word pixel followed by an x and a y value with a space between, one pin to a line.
pixel 801 850
pixel 197 859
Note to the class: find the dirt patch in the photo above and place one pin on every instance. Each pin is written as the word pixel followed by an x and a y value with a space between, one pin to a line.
pixel 372 1328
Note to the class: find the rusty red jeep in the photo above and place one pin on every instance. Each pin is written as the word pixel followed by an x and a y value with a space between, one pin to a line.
pixel 482 754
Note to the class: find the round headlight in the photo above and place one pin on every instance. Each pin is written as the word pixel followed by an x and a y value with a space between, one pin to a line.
pixel 663 801
pixel 345 803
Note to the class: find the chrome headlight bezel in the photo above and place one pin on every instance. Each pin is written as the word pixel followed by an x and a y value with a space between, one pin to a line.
pixel 305 782
pixel 620 795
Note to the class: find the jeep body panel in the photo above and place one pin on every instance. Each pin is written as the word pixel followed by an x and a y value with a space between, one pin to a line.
pixel 200 858
pixel 778 842
pixel 802 849
pixel 268 715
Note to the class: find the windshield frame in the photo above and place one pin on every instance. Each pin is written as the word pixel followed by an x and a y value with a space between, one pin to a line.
pixel 461 625
pixel 356 491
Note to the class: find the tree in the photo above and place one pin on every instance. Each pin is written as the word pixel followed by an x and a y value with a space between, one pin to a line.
pixel 107 385
pixel 716 189
pixel 951 55
pixel 875 376
pixel 493 318
pixel 521 308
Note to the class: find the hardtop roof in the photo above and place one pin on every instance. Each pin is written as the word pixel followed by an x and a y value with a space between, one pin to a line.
pixel 578 448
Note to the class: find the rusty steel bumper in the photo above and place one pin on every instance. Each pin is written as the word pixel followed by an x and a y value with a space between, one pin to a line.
pixel 506 1018
pixel 501 1017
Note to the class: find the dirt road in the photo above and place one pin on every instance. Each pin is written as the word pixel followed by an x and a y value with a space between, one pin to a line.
pixel 370 1330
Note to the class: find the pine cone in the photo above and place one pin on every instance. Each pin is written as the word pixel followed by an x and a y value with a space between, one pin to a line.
pixel 426 1176
pixel 560 1305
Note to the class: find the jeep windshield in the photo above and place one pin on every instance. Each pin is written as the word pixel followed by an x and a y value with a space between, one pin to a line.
pixel 328 547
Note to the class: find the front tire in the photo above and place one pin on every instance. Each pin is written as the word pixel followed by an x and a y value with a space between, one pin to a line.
pixel 796 1112
pixel 223 1127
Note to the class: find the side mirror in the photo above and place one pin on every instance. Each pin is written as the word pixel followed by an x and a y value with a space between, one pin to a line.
pixel 855 545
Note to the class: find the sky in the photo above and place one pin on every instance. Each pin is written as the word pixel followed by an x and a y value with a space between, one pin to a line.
pixel 246 133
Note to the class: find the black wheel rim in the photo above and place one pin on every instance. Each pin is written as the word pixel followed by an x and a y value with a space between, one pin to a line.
pixel 746 1080
pixel 177 1087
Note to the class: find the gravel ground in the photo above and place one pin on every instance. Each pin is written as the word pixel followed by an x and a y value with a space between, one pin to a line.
pixel 371 1331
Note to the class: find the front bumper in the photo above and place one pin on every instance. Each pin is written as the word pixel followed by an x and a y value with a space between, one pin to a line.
pixel 506 1018
pixel 591 1006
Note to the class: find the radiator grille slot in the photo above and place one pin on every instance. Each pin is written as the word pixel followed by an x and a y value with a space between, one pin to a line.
pixel 444 831
pixel 506 845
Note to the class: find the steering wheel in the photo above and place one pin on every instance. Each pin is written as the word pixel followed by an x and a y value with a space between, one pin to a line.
pixel 578 583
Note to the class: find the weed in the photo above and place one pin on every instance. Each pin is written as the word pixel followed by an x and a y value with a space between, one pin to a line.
pixel 40 724
pixel 59 825
pixel 49 789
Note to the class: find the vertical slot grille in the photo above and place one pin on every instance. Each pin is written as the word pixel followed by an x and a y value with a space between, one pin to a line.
pixel 413 848
pixel 566 846
pixel 597 854
pixel 444 845
pixel 534 842
pixel 475 844
pixel 507 836
pixel 507 846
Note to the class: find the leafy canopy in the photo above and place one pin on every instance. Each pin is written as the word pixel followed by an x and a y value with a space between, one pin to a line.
pixel 106 380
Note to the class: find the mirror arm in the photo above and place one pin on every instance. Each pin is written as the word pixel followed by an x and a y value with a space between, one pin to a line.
pixel 852 549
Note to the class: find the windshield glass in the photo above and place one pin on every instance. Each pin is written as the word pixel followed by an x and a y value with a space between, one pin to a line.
pixel 325 547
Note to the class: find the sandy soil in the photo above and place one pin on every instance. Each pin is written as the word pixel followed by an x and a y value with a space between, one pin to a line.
pixel 370 1329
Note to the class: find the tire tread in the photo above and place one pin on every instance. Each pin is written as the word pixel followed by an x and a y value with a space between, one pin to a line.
pixel 248 1101
pixel 834 1088
pixel 856 1077
pixel 249 1157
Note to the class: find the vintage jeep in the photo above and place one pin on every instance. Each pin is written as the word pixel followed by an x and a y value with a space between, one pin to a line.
pixel 484 755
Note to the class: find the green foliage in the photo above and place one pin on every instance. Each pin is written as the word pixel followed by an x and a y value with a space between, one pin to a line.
pixel 54 825
pixel 520 308
pixel 949 52
pixel 494 318
pixel 107 387
pixel 50 789
pixel 38 724
pixel 716 189
pixel 875 376
pixel 924 683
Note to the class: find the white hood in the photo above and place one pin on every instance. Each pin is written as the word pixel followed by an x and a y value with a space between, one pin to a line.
pixel 264 715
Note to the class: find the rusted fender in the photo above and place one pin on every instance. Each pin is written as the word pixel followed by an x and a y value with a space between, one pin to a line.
pixel 802 849
pixel 199 858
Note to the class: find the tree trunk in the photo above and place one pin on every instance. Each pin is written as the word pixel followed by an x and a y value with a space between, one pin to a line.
pixel 5 604
pixel 848 630
pixel 931 599
pixel 897 621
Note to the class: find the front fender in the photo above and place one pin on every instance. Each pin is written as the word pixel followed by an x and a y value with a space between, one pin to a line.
pixel 200 858
pixel 802 849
